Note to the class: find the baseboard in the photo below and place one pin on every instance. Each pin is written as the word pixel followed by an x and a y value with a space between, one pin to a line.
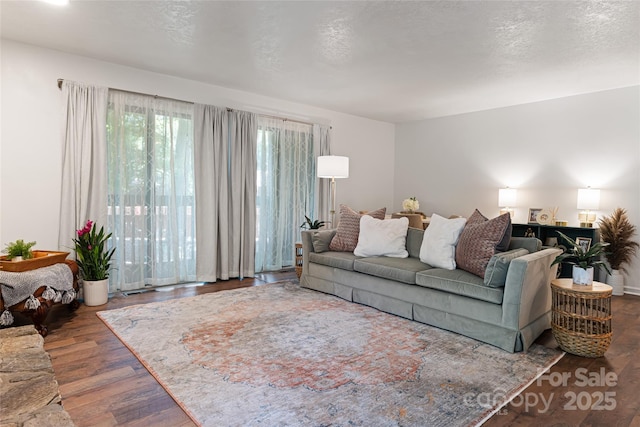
pixel 632 290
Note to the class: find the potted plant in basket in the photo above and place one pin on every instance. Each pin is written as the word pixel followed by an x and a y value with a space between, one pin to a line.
pixel 617 231
pixel 308 224
pixel 583 260
pixel 94 262
pixel 19 250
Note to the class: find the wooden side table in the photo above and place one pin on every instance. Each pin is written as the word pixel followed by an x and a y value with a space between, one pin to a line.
pixel 581 317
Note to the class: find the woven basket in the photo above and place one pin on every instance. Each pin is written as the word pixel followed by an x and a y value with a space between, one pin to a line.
pixel 582 344
pixel 581 322
pixel 299 259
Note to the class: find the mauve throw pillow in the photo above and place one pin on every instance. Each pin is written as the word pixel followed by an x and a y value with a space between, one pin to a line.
pixel 346 238
pixel 479 241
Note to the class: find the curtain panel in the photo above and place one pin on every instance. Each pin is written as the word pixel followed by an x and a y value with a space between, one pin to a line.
pixel 286 190
pixel 243 135
pixel 151 203
pixel 225 171
pixel 84 173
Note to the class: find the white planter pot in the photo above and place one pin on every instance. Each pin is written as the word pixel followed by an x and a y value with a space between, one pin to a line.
pixel 616 281
pixel 582 276
pixel 16 258
pixel 96 292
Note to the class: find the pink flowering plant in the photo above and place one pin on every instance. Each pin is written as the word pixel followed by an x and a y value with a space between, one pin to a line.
pixel 92 256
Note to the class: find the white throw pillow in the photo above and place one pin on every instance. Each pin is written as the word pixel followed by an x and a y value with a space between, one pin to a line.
pixel 380 237
pixel 439 242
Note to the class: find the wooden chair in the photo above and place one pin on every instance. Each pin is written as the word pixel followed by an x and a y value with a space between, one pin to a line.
pixel 415 219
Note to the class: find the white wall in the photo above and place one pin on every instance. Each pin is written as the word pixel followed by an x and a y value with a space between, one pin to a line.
pixel 31 145
pixel 547 150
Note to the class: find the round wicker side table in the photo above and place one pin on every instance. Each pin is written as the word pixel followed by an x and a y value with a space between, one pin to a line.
pixel 581 317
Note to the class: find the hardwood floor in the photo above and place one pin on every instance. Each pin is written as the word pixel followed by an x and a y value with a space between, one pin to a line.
pixel 103 384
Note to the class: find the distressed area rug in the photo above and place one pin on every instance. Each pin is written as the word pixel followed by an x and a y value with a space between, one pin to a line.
pixel 281 355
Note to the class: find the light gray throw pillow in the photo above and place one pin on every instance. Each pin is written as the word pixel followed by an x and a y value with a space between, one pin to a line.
pixel 321 239
pixel 495 275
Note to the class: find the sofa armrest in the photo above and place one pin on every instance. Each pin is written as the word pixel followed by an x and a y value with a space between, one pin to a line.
pixel 527 291
pixel 532 244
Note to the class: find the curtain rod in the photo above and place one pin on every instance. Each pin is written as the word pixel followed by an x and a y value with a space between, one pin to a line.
pixel 60 81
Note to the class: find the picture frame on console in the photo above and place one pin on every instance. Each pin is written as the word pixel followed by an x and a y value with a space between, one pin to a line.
pixel 533 215
pixel 584 243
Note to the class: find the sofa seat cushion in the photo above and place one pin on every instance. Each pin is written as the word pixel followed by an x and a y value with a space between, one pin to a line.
pixel 397 269
pixel 342 260
pixel 459 282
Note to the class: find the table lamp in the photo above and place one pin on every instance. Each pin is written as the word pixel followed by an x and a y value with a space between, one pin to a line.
pixel 507 200
pixel 588 200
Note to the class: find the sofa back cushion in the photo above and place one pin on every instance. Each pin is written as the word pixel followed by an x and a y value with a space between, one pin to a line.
pixel 480 240
pixel 346 238
pixel 414 241
pixel 320 240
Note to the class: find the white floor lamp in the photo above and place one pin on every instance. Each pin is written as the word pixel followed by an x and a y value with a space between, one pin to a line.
pixel 333 167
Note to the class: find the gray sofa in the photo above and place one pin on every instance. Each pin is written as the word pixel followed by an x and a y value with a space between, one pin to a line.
pixel 510 317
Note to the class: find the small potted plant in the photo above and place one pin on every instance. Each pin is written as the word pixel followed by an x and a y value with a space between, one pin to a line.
pixel 583 260
pixel 19 250
pixel 617 231
pixel 308 224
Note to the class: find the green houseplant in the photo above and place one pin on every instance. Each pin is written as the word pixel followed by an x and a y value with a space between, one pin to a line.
pixel 312 225
pixel 94 262
pixel 583 260
pixel 617 231
pixel 19 249
pixel 92 255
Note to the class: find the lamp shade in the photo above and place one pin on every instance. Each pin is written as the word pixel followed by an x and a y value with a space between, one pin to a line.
pixel 333 167
pixel 507 197
pixel 588 199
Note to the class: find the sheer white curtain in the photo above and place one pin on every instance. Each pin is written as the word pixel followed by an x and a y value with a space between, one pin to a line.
pixel 84 163
pixel 225 150
pixel 285 190
pixel 151 203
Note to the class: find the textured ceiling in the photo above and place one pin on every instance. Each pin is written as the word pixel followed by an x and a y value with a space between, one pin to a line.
pixel 392 61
